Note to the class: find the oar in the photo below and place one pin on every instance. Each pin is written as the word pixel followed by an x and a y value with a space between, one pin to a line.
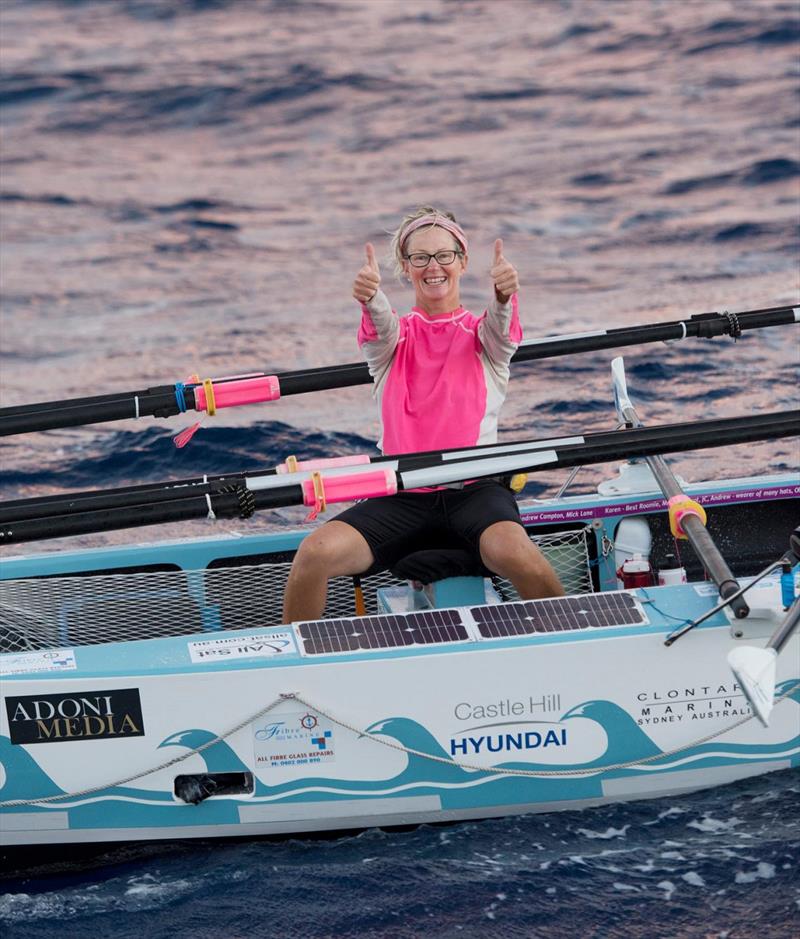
pixel 212 395
pixel 775 425
pixel 241 495
pixel 604 444
pixel 687 518
pixel 754 668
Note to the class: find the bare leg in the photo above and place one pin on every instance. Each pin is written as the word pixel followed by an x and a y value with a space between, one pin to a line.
pixel 331 551
pixel 507 550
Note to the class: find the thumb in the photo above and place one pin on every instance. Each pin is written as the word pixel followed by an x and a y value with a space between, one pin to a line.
pixel 498 250
pixel 372 261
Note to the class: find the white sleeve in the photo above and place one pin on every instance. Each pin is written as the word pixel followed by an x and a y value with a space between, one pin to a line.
pixel 494 332
pixel 379 344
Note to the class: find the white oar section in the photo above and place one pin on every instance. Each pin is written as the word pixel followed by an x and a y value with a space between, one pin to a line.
pixel 513 448
pixel 755 668
pixel 563 337
pixel 455 465
pixel 622 402
pixel 466 469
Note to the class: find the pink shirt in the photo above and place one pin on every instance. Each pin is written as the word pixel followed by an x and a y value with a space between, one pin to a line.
pixel 439 382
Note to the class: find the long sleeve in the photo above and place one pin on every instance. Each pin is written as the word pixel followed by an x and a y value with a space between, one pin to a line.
pixel 500 333
pixel 378 335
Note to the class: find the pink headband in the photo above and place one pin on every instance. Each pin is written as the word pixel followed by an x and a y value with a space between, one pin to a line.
pixel 440 221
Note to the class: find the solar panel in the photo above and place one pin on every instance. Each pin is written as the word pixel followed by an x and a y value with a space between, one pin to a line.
pixel 557 615
pixel 391 631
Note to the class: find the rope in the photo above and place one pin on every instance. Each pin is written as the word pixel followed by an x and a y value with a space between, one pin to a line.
pixel 500 771
pixel 734 327
pixel 495 770
pixel 148 772
pixel 319 496
pixel 180 396
pixel 245 498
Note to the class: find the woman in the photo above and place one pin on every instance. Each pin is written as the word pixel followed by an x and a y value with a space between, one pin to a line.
pixel 440 377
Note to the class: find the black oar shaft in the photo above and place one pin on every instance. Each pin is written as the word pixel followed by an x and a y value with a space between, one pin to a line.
pixel 181 503
pixel 162 401
pixel 598 446
pixel 784 632
pixel 50 415
pixel 116 517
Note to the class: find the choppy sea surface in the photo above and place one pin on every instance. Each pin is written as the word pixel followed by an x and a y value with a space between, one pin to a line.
pixel 187 187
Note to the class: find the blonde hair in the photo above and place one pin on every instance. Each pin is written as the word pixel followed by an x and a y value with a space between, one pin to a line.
pixel 396 245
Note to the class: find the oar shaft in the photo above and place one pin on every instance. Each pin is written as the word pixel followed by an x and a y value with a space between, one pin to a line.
pixel 167 400
pixel 117 517
pixel 30 520
pixel 695 530
pixel 715 564
pixel 783 633
pixel 593 447
pixel 51 415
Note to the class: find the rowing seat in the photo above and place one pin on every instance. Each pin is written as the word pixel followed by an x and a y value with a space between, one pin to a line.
pixel 437 577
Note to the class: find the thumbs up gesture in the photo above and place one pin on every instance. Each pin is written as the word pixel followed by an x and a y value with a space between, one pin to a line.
pixel 368 279
pixel 504 274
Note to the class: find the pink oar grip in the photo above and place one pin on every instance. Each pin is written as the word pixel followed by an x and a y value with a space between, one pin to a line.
pixel 230 394
pixel 357 459
pixel 357 486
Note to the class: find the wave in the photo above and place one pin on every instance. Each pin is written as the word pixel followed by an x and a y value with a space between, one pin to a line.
pixel 782 32
pixel 760 173
pixel 121 458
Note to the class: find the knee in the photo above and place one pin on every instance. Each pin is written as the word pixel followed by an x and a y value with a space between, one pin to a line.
pixel 507 551
pixel 330 551
pixel 317 553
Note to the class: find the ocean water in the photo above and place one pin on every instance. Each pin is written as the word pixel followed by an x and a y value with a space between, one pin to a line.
pixel 187 187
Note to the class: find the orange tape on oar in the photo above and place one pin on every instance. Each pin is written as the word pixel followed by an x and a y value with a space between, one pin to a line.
pixel 679 506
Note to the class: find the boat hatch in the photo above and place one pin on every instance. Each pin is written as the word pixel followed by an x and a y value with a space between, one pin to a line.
pixel 198 787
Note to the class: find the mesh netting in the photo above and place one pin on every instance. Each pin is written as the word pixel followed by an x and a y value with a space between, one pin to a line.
pixel 42 613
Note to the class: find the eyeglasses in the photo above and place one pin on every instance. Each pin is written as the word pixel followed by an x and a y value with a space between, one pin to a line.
pixel 444 258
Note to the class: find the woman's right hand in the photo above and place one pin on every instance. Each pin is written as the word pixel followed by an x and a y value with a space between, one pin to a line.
pixel 368 279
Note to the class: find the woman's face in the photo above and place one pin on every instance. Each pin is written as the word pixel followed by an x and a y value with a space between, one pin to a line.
pixel 437 285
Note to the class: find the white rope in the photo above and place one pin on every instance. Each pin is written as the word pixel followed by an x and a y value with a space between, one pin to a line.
pixel 211 514
pixel 148 772
pixel 669 342
pixel 496 770
pixel 136 406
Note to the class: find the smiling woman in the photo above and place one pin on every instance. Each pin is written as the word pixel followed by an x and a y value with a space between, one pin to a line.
pixel 440 376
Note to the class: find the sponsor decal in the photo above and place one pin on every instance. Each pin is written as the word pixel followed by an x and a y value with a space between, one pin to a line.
pixel 301 738
pixel 657 504
pixel 495 738
pixel 694 703
pixel 242 647
pixel 475 742
pixel 506 707
pixel 51 660
pixel 83 715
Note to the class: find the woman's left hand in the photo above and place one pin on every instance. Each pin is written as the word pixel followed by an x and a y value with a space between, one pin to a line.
pixel 504 275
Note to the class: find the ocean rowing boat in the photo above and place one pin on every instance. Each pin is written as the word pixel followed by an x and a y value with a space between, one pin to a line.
pixel 150 691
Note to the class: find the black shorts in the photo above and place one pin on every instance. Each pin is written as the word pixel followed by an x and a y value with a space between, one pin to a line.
pixel 395 526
